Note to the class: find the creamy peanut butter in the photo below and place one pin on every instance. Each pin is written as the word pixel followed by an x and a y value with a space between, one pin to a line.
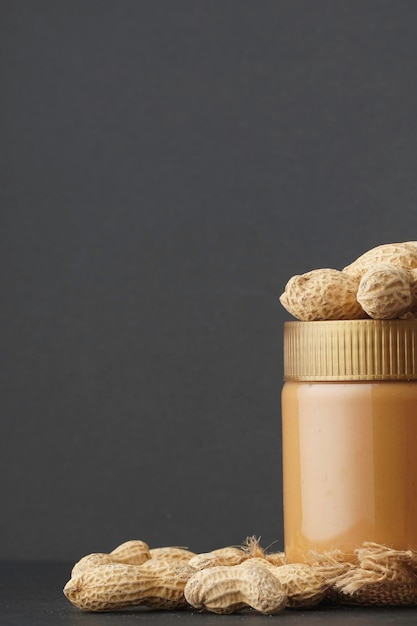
pixel 350 466
pixel 349 419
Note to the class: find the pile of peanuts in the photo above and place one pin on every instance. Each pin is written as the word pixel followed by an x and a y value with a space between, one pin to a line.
pixel 380 284
pixel 235 578
pixel 221 581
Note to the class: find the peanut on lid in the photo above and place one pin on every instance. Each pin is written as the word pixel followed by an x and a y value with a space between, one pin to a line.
pixel 350 350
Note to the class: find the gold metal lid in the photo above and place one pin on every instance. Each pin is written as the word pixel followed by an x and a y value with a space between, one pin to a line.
pixel 350 350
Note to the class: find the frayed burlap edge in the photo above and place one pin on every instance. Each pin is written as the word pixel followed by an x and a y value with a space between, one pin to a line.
pixel 377 575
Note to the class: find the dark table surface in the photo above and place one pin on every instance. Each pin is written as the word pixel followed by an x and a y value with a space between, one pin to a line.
pixel 31 593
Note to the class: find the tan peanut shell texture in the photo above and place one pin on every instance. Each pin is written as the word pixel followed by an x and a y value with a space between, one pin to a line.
pixel 380 284
pixel 233 579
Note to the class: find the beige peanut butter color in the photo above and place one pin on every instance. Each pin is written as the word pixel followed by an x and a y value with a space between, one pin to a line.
pixel 349 408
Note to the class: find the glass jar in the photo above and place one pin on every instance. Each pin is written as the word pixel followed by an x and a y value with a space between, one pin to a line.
pixel 349 419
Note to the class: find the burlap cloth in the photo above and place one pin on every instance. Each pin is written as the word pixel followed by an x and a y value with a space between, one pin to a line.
pixel 376 575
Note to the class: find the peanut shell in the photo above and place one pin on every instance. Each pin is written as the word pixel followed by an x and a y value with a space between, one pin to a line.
pixel 322 294
pixel 400 254
pixel 222 556
pixel 118 585
pixel 172 554
pixel 385 291
pixel 91 560
pixel 226 589
pixel 134 552
pixel 303 585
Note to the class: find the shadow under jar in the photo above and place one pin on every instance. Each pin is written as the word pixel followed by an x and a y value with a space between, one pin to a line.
pixel 349 420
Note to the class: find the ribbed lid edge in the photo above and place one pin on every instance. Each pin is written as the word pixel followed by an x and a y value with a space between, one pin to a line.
pixel 350 350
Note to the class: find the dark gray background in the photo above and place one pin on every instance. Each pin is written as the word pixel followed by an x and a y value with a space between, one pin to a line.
pixel 166 166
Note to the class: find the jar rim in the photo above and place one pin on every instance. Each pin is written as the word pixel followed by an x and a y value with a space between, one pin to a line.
pixel 335 350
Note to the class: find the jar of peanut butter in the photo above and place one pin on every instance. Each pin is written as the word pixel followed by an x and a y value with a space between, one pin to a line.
pixel 349 418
